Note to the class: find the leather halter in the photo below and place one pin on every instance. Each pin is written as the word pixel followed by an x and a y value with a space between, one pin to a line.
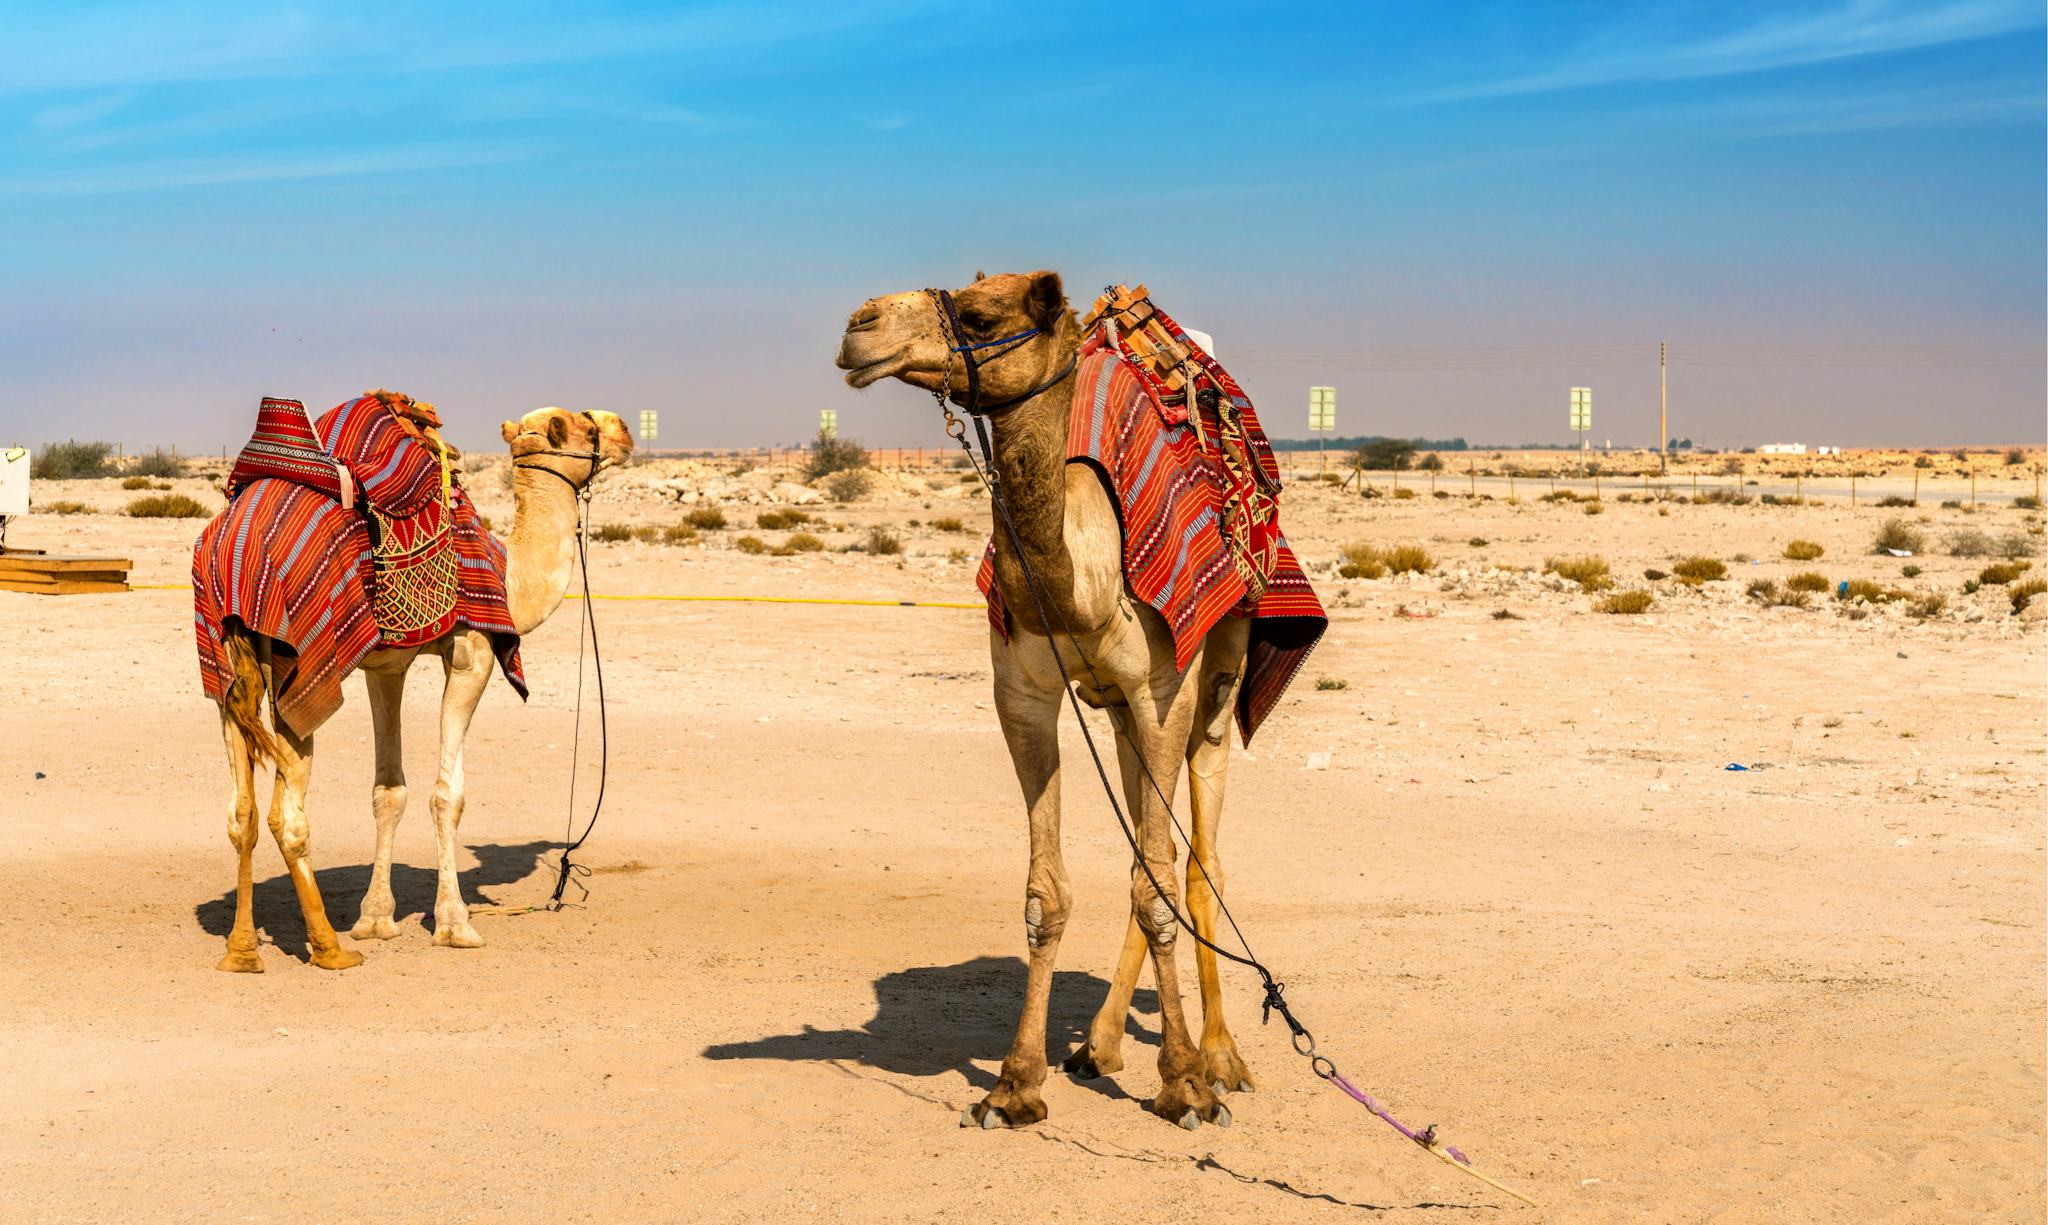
pixel 949 324
pixel 581 488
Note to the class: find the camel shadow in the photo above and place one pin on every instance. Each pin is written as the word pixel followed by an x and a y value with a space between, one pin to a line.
pixel 934 1019
pixel 276 905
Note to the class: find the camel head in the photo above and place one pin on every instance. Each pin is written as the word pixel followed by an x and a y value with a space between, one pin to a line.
pixel 901 336
pixel 564 442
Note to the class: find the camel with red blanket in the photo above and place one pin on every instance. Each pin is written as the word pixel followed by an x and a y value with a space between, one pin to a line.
pixel 286 608
pixel 1176 640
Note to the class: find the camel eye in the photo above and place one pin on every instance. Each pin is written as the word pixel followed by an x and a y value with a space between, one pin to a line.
pixel 974 321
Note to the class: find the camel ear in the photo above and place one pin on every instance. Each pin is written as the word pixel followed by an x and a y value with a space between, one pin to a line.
pixel 510 430
pixel 1046 300
pixel 979 276
pixel 614 441
pixel 558 429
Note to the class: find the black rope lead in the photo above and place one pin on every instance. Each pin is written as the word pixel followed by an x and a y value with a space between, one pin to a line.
pixel 588 627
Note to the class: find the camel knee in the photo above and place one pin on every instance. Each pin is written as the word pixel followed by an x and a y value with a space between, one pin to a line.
pixel 294 837
pixel 242 825
pixel 1155 914
pixel 387 801
pixel 1045 915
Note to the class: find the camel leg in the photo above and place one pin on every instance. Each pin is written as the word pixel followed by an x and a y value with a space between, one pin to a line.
pixel 468 664
pixel 294 838
pixel 1029 711
pixel 1184 1093
pixel 1103 1054
pixel 241 955
pixel 1208 761
pixel 375 921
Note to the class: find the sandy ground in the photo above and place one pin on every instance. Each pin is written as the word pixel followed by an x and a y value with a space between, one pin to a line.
pixel 1524 900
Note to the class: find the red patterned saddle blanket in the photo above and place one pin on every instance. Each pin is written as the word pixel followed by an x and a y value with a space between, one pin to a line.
pixel 342 536
pixel 1198 497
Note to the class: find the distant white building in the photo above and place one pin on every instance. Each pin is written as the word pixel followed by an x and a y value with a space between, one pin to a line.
pixel 1782 448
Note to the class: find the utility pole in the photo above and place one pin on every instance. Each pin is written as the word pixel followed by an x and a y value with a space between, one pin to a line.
pixel 1663 406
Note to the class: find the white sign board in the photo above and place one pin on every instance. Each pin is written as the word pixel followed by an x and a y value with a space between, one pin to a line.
pixel 1582 408
pixel 13 481
pixel 1322 409
pixel 828 422
pixel 650 425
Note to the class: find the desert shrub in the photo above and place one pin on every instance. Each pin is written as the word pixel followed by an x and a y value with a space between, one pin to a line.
pixel 849 485
pixel 1898 535
pixel 2001 573
pixel 948 523
pixel 1803 550
pixel 705 518
pixel 1893 499
pixel 167 506
pixel 1787 598
pixel 158 463
pixel 1866 589
pixel 956 555
pixel 750 544
pixel 2015 457
pixel 831 453
pixel 1385 453
pixel 1693 571
pixel 1478 542
pixel 647 533
pixel 1808 580
pixel 1923 461
pixel 2015 544
pixel 66 507
pixel 2027 501
pixel 1593 507
pixel 679 533
pixel 1632 601
pixel 1361 561
pixel 1721 497
pixel 1762 589
pixel 798 542
pixel 1408 559
pixel 1910 571
pixel 1589 572
pixel 1927 605
pixel 1742 559
pixel 1431 462
pixel 71 461
pixel 882 541
pixel 1402 495
pixel 138 482
pixel 1969 542
pixel 1971 586
pixel 1558 495
pixel 2022 594
pixel 611 533
pixel 1330 683
pixel 1654 574
pixel 1952 504
pixel 782 519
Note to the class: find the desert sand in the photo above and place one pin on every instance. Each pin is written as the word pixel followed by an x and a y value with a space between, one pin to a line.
pixel 1503 870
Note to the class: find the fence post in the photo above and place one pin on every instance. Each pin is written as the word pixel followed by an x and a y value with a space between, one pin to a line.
pixel 1471 478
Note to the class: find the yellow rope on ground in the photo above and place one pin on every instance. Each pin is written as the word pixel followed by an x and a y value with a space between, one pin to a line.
pixel 691 599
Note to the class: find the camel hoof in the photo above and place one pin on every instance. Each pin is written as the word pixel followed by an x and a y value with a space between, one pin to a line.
pixel 1080 1066
pixel 1222 1118
pixel 240 963
pixel 1218 1088
pixel 458 936
pixel 992 1119
pixel 967 1117
pixel 1245 1086
pixel 1190 1120
pixel 380 928
pixel 337 959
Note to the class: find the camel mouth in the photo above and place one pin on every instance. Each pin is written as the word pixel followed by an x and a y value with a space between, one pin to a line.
pixel 859 374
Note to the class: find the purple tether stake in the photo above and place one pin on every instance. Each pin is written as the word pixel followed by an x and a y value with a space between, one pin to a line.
pixel 1426 1138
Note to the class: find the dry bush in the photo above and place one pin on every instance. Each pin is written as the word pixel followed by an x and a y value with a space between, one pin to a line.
pixel 647 533
pixel 1721 497
pixel 2015 544
pixel 1764 589
pixel 1869 591
pixel 71 461
pixel 1910 571
pixel 2014 457
pixel 1632 601
pixel 799 542
pixel 1503 614
pixel 705 518
pixel 1361 561
pixel 1558 495
pixel 750 544
pixel 2022 594
pixel 2001 573
pixel 948 523
pixel 64 508
pixel 611 533
pixel 1928 605
pixel 1969 542
pixel 850 485
pixel 1589 572
pixel 1408 559
pixel 1692 571
pixel 167 506
pixel 1593 507
pixel 679 533
pixel 832 454
pixel 1330 683
pixel 1808 580
pixel 158 463
pixel 1403 495
pixel 1899 535
pixel 1478 542
pixel 883 542
pixel 1655 575
pixel 137 482
pixel 2027 501
pixel 1788 598
pixel 1893 499
pixel 781 520
pixel 1803 550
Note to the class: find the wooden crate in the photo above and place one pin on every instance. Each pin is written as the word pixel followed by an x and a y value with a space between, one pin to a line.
pixel 40 574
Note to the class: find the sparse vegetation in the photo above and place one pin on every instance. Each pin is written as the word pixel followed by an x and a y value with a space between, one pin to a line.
pixel 705 518
pixel 611 533
pixel 138 482
pixel 831 454
pixel 1503 614
pixel 1969 542
pixel 750 544
pixel 679 533
pixel 1403 495
pixel 1329 684
pixel 1899 536
pixel 1869 591
pixel 2022 594
pixel 1478 542
pixel 1634 600
pixel 2015 457
pixel 948 523
pixel 849 485
pixel 1408 559
pixel 1361 561
pixel 167 506
pixel 781 519
pixel 1893 499
pixel 2027 501
pixel 1692 571
pixel 1589 572
pixel 1910 571
pixel 1721 497
pixel 799 542
pixel 1593 507
pixel 66 507
pixel 1804 550
pixel 2001 573
pixel 1927 605
pixel 1808 581
pixel 159 463
pixel 71 461
pixel 883 542
pixel 647 533
pixel 1654 574
pixel 1431 462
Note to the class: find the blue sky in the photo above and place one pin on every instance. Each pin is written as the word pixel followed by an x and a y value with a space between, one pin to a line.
pixel 1833 211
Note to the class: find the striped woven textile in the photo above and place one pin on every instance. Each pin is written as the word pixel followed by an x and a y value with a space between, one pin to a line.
pixel 288 562
pixel 1172 495
pixel 287 446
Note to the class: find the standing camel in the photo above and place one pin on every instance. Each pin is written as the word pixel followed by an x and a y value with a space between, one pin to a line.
pixel 1067 523
pixel 555 456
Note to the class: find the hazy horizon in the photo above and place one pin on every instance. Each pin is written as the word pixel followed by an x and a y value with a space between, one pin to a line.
pixel 1833 213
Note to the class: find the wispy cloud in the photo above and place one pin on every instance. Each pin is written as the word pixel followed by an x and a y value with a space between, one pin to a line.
pixel 1855 28
pixel 203 172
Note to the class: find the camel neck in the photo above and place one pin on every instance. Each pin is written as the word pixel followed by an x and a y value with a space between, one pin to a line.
pixel 541 552
pixel 1029 448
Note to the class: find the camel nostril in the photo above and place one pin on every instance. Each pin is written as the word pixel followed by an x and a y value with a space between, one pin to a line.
pixel 863 319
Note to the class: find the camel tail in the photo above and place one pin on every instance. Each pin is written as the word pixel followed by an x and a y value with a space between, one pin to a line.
pixel 244 700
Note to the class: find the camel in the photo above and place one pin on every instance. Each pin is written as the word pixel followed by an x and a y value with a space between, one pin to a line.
pixel 555 456
pixel 1067 523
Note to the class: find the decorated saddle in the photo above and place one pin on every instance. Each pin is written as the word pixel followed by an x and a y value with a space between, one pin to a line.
pixel 1179 447
pixel 342 536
